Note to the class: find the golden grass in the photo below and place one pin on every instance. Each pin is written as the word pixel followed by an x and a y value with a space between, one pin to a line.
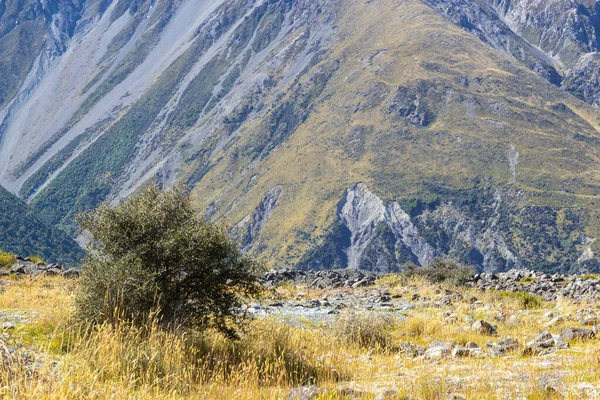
pixel 56 359
pixel 6 259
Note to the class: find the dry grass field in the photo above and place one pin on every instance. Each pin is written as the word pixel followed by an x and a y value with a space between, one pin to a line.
pixel 355 354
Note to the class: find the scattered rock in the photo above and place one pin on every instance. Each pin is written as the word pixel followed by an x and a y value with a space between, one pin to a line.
pixel 305 393
pixel 329 279
pixel 484 328
pixel 8 326
pixel 576 334
pixel 24 266
pixel 549 287
pixel 544 343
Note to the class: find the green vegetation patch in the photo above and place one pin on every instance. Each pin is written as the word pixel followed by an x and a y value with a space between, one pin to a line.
pixel 526 301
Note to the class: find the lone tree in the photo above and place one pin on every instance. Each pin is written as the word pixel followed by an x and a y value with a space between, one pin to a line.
pixel 154 254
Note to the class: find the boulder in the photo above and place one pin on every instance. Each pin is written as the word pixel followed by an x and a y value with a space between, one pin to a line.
pixel 53 271
pixel 305 393
pixel 483 328
pixel 71 273
pixel 553 321
pixel 460 351
pixel 435 353
pixel 576 334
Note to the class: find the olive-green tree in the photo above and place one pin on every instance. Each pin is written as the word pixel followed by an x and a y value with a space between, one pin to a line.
pixel 154 255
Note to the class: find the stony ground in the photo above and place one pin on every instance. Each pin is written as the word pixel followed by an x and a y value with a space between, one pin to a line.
pixel 386 337
pixel 494 338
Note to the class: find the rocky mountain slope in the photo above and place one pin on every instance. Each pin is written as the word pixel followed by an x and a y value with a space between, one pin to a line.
pixel 558 39
pixel 341 133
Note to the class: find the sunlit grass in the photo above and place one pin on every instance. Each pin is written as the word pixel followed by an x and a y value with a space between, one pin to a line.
pixel 59 359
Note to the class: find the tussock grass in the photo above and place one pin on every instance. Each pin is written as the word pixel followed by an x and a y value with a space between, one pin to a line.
pixel 524 300
pixel 56 359
pixel 172 364
pixel 6 259
pixel 367 331
pixel 129 361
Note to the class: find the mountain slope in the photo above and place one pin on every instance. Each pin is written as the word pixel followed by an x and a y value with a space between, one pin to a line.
pixel 558 39
pixel 21 232
pixel 344 133
pixel 433 118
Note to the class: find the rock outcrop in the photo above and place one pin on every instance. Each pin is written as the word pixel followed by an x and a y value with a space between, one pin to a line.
pixel 547 286
pixel 24 266
pixel 374 235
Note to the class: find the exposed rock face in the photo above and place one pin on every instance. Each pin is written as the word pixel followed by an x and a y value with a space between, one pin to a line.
pixel 556 39
pixel 32 34
pixel 584 79
pixel 482 18
pixel 380 236
pixel 188 56
pixel 562 29
pixel 408 103
pixel 373 235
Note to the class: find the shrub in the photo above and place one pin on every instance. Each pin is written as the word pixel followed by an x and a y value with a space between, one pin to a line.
pixel 585 277
pixel 369 331
pixel 7 259
pixel 153 255
pixel 36 260
pixel 526 301
pixel 443 271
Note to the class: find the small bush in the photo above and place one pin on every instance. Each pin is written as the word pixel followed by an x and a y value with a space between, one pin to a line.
pixel 443 271
pixel 586 277
pixel 415 326
pixel 154 255
pixel 36 260
pixel 525 301
pixel 7 259
pixel 527 280
pixel 368 331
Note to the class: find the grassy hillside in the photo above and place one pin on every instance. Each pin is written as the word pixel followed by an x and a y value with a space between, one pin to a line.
pixel 314 98
pixel 478 106
pixel 21 232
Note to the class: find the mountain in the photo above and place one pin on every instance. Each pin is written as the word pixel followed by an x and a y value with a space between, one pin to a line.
pixel 21 232
pixel 558 39
pixel 339 133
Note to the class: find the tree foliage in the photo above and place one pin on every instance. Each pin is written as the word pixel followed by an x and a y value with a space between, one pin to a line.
pixel 154 254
